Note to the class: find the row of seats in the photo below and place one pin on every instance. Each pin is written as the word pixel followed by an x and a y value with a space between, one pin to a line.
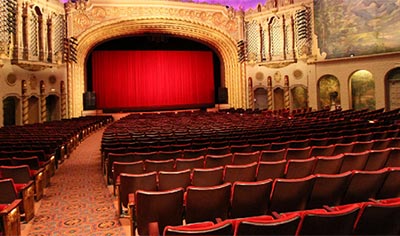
pixel 229 127
pixel 348 134
pixel 366 218
pixel 271 164
pixel 239 199
pixel 378 217
pixel 29 156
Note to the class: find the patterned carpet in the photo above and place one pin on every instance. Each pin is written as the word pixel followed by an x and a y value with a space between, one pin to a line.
pixel 78 201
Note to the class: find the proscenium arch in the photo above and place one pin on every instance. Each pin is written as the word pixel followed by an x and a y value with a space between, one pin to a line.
pixel 232 72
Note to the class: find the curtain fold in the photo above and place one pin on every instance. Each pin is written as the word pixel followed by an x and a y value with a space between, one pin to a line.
pixel 153 79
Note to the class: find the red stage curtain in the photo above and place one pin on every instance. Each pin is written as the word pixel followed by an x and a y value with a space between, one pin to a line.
pixel 153 79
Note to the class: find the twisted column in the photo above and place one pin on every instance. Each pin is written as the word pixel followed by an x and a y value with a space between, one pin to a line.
pixel 25 110
pixel 43 109
pixel 286 92
pixel 269 94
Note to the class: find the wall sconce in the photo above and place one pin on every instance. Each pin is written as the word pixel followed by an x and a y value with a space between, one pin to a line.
pixel 24 87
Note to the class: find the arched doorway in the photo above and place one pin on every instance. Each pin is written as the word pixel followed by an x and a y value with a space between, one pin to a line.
pixel 261 98
pixel 279 99
pixel 328 85
pixel 33 110
pixel 53 108
pixel 393 89
pixel 11 107
pixel 362 87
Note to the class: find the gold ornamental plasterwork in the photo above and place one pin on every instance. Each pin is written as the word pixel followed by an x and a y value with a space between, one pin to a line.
pixel 83 20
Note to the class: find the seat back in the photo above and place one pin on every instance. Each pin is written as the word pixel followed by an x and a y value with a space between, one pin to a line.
pixel 8 192
pixel 291 194
pixel 364 185
pixel 354 161
pixel 218 150
pixel 379 218
pixel 328 189
pixel 245 172
pixel 377 159
pixel 136 167
pixel 207 176
pixel 20 174
pixel 130 183
pixel 32 162
pixel 341 148
pixel 189 163
pixel 207 203
pixel 272 155
pixel 328 165
pixel 168 180
pixel 244 148
pixel 361 146
pixel 299 168
pixel 322 150
pixel 218 160
pixel 164 207
pixel 393 158
pixel 166 155
pixel 391 186
pixel 337 222
pixel 250 198
pixel 240 158
pixel 192 153
pixel 159 165
pixel 271 170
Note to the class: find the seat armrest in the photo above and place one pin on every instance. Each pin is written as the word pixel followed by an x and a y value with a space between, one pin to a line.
pixel 10 207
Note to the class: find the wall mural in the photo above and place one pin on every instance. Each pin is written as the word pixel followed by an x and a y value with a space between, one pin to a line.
pixel 328 87
pixel 362 90
pixel 357 27
pixel 299 97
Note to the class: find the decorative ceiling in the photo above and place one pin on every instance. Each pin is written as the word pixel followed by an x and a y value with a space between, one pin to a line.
pixel 236 4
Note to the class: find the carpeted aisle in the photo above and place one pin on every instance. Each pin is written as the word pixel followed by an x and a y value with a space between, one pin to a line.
pixel 78 201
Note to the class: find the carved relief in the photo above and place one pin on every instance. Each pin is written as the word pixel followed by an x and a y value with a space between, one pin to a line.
pixel 83 20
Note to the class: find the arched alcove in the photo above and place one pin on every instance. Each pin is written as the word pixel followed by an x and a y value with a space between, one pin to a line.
pixel 260 98
pixel 11 111
pixel 362 85
pixel 393 89
pixel 327 85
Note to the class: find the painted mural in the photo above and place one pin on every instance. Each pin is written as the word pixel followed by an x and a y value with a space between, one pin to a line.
pixel 328 87
pixel 357 27
pixel 299 97
pixel 362 90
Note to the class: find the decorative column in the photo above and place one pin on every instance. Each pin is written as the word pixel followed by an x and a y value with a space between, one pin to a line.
pixel 25 51
pixel 286 93
pixel 251 94
pixel 63 100
pixel 269 94
pixel 43 108
pixel 25 103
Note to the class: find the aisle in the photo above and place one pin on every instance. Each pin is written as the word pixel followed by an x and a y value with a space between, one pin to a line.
pixel 78 202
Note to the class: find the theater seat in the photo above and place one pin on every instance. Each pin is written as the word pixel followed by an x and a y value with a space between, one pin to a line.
pixel 333 222
pixel 379 218
pixel 163 207
pixel 207 203
pixel 10 218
